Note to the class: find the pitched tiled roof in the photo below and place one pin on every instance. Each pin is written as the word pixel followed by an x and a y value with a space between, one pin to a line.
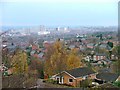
pixel 41 55
pixel 107 76
pixel 104 70
pixel 12 48
pixel 79 72
pixel 100 54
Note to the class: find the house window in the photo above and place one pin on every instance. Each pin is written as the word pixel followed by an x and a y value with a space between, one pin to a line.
pixel 61 79
pixel 98 57
pixel 85 77
pixel 94 57
pixel 70 80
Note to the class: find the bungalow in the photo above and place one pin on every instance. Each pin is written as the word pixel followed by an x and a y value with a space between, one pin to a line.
pixel 75 76
pixel 107 77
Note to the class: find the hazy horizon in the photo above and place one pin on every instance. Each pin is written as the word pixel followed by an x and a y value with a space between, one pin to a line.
pixel 61 13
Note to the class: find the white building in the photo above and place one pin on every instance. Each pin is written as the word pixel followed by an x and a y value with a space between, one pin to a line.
pixel 43 32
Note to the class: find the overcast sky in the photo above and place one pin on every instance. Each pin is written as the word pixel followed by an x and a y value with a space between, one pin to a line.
pixel 59 12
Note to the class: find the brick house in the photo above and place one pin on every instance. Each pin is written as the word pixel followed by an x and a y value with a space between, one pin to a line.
pixel 75 76
pixel 99 56
pixel 90 45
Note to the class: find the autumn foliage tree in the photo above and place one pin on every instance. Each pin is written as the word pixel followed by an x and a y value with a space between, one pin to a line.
pixel 56 60
pixel 73 60
pixel 59 59
pixel 19 63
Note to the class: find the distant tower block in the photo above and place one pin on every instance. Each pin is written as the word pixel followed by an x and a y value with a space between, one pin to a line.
pixel 42 28
pixel 58 29
pixel 66 29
